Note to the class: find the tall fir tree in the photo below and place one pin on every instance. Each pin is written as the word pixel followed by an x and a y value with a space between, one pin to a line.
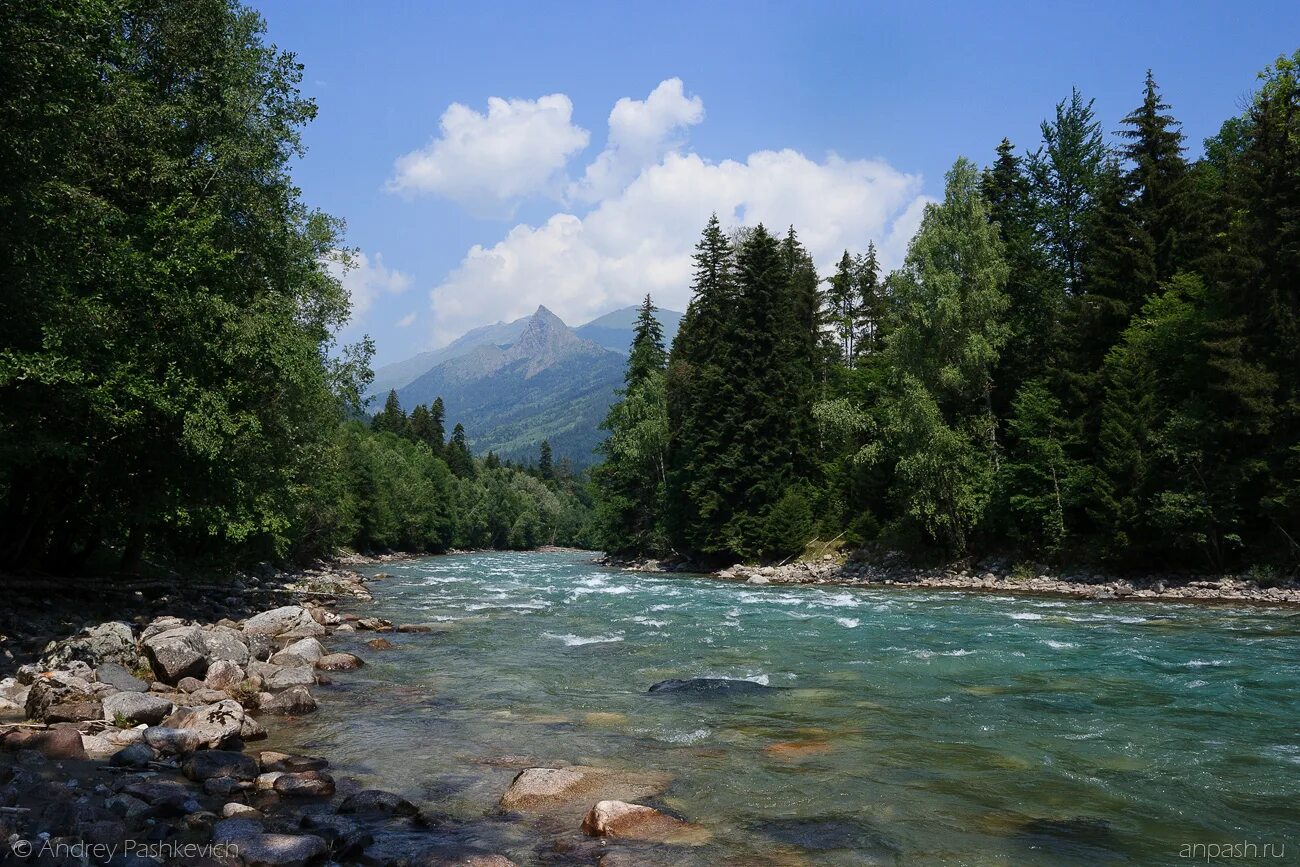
pixel 438 426
pixel 1065 172
pixel 392 418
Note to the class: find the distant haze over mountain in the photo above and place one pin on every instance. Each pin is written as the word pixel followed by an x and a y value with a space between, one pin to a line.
pixel 514 384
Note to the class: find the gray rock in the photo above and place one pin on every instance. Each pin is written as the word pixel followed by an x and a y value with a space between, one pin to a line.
pixel 55 689
pixel 223 674
pixel 137 707
pixel 281 620
pixel 177 653
pixel 302 652
pixel 293 702
pixel 160 625
pixel 108 642
pixel 206 764
pixel 134 756
pixel 288 677
pixel 281 850
pixel 214 723
pixel 190 684
pixel 222 642
pixel 120 679
pixel 708 687
pixel 173 741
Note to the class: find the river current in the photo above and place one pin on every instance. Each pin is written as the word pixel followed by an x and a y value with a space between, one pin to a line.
pixel 904 726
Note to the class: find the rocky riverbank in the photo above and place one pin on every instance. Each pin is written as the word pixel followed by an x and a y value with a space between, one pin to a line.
pixel 892 569
pixel 133 742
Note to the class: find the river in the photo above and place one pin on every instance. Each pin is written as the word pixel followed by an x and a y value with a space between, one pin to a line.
pixel 903 727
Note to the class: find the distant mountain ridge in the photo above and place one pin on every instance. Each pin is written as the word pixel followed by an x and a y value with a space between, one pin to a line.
pixel 514 384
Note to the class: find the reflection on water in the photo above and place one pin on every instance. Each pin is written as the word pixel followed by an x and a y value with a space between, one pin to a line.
pixel 902 726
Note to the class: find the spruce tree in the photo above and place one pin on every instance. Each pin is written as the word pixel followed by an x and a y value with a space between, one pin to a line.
pixel 701 398
pixel 647 351
pixel 391 419
pixel 869 303
pixel 437 425
pixel 545 465
pixel 458 456
pixel 1065 172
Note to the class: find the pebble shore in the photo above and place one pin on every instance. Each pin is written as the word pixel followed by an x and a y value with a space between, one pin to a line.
pixel 859 570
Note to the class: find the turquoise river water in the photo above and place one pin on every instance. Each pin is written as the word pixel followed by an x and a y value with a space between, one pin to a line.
pixel 907 726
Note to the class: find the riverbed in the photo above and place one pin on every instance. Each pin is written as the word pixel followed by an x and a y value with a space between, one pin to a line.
pixel 899 726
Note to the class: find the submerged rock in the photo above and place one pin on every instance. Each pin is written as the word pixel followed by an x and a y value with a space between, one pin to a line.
pixel 377 801
pixel 540 788
pixel 709 687
pixel 339 662
pixel 639 822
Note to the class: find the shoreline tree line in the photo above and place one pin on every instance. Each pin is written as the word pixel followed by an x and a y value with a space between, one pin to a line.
pixel 1091 351
pixel 170 388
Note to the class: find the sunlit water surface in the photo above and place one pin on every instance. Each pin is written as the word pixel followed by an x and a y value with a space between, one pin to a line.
pixel 908 727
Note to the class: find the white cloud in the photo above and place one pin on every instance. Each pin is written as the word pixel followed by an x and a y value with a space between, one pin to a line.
pixel 640 133
pixel 407 320
pixel 488 161
pixel 640 239
pixel 365 280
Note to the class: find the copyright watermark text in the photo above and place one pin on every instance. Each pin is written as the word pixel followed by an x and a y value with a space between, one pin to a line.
pixel 100 852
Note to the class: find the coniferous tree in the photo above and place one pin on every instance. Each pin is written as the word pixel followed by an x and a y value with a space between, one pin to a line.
pixel 392 418
pixel 647 352
pixel 1065 171
pixel 842 306
pixel 870 302
pixel 545 463
pixel 437 426
pixel 701 398
pixel 458 454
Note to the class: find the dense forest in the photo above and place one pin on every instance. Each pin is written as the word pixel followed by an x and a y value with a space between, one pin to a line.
pixel 1092 349
pixel 170 390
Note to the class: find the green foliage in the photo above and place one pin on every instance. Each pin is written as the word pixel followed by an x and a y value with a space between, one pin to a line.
pixel 945 336
pixel 165 325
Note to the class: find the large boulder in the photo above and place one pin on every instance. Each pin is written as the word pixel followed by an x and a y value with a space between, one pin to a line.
pixel 108 642
pixel 118 677
pixel 278 621
pixel 213 723
pixel 137 707
pixel 292 702
pixel 287 677
pixel 222 642
pixel 639 822
pixel 305 651
pixel 53 692
pixel 177 653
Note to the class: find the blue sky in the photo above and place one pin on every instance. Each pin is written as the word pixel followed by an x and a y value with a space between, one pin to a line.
pixel 839 117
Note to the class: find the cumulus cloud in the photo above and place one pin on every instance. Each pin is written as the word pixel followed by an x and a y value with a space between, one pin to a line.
pixel 640 238
pixel 407 320
pixel 488 161
pixel 365 279
pixel 641 131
